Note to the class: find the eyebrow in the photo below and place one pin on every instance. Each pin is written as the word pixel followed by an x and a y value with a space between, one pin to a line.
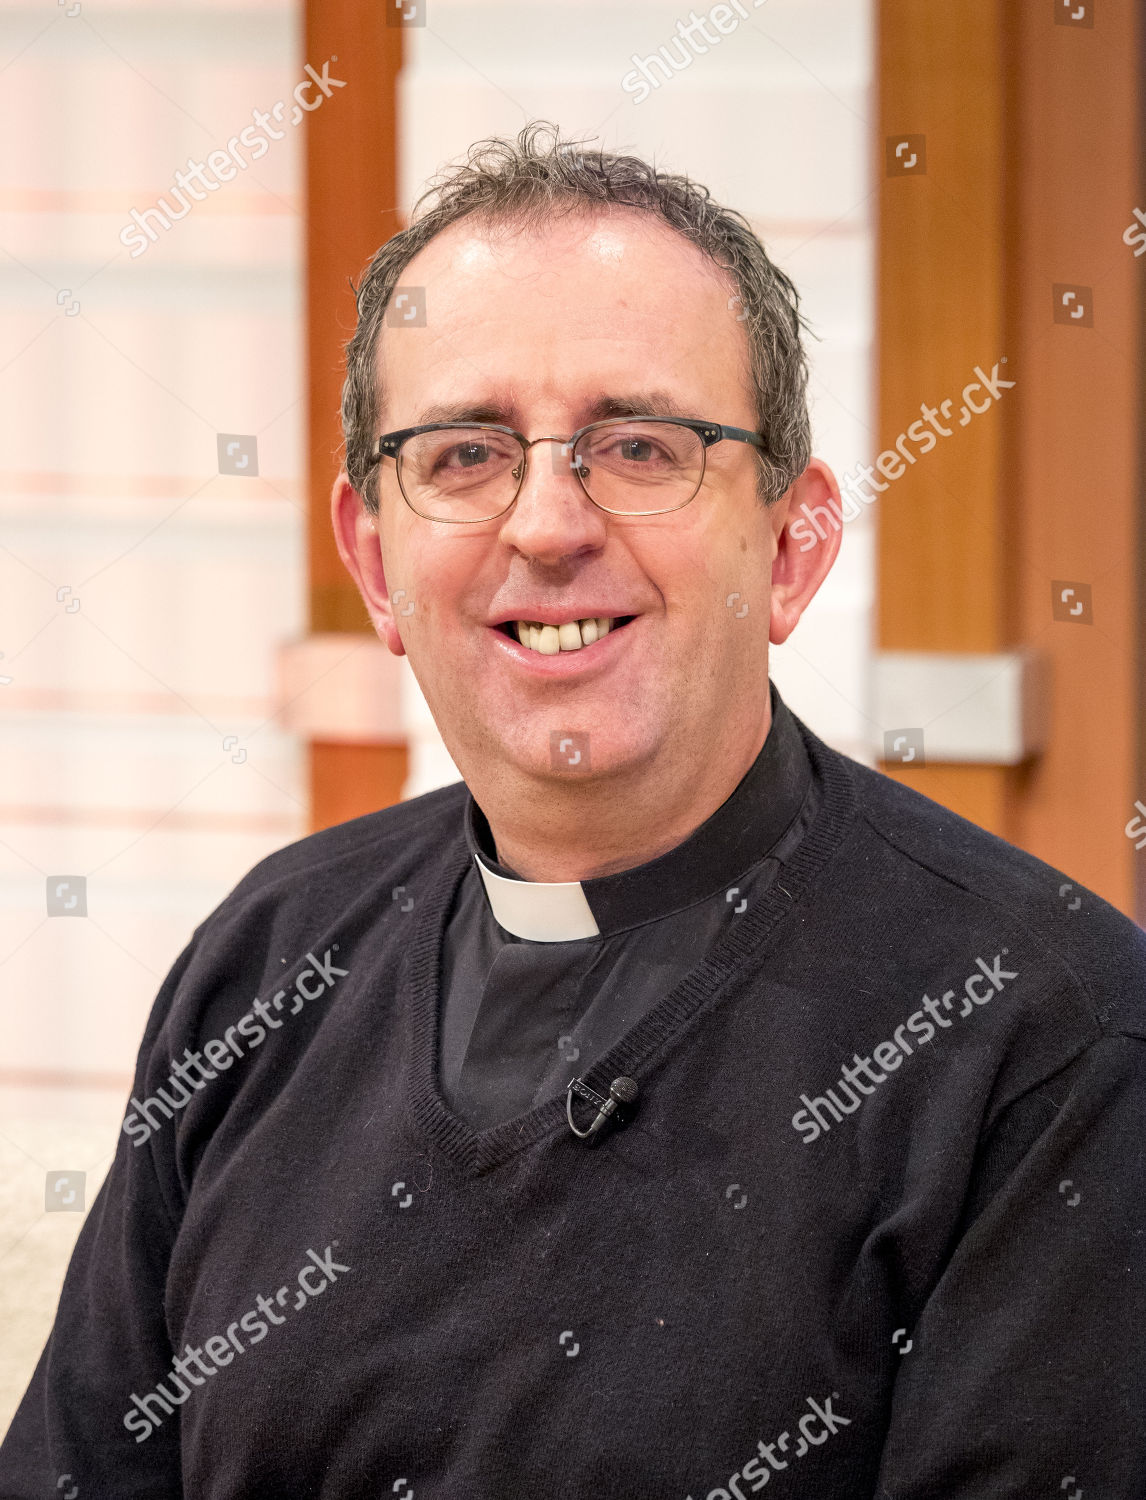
pixel 505 412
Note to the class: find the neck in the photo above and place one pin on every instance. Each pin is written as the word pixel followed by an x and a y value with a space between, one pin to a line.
pixel 548 831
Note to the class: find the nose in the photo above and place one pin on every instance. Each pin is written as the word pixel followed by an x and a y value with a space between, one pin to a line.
pixel 552 517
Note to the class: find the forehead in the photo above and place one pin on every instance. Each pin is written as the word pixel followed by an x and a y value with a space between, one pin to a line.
pixel 596 299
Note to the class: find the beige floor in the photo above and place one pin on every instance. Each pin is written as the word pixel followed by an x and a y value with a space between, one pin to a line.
pixel 42 1132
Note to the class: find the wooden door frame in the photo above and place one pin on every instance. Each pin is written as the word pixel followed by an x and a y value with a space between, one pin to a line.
pixel 351 174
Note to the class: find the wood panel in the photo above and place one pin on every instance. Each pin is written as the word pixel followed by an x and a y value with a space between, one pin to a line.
pixel 941 310
pixel 352 197
pixel 348 780
pixel 1075 460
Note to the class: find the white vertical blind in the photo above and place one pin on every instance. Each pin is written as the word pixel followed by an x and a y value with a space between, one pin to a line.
pixel 142 593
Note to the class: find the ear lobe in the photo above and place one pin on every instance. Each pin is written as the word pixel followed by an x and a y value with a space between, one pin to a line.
pixel 359 545
pixel 809 526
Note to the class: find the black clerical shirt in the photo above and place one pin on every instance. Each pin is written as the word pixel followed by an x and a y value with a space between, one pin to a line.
pixel 527 1005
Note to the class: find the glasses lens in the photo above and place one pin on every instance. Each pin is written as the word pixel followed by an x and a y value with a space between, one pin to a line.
pixel 633 467
pixel 460 473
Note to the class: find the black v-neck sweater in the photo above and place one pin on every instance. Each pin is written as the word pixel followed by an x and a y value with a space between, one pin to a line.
pixel 875 1227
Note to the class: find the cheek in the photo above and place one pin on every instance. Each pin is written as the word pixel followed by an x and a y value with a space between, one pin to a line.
pixel 411 565
pixel 453 587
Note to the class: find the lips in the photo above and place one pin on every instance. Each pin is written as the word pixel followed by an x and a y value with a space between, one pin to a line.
pixel 554 617
pixel 509 627
pixel 554 653
pixel 572 635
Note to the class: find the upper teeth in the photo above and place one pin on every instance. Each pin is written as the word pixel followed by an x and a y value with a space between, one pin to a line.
pixel 550 639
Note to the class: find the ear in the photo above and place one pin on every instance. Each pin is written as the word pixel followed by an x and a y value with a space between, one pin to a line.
pixel 807 524
pixel 360 548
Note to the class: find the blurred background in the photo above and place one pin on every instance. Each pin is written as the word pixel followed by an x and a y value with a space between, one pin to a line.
pixel 187 678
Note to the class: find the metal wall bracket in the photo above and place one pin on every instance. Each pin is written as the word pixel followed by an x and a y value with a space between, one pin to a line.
pixel 990 708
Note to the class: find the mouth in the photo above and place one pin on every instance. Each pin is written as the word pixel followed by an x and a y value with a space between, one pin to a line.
pixel 573 635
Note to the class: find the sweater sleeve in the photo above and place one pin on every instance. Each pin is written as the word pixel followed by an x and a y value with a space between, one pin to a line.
pixel 1026 1374
pixel 110 1336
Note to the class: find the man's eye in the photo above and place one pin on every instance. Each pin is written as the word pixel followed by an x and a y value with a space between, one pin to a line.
pixel 635 450
pixel 466 456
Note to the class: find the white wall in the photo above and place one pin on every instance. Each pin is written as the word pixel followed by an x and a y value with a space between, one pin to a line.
pixel 774 119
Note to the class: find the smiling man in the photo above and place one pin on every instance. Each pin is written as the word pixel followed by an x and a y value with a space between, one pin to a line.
pixel 682 1107
pixel 650 612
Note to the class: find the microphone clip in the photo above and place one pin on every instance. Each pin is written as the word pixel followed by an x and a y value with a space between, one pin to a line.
pixel 622 1092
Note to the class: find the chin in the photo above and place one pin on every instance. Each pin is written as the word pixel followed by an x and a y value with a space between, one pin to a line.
pixel 569 755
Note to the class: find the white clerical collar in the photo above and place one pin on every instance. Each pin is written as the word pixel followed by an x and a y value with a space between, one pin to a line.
pixel 546 912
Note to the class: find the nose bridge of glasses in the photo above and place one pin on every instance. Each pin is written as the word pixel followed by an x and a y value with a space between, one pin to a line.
pixel 573 467
pixel 566 448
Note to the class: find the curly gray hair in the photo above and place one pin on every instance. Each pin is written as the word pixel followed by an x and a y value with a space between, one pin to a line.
pixel 526 183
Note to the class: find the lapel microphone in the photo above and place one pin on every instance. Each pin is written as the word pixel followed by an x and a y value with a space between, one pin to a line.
pixel 622 1092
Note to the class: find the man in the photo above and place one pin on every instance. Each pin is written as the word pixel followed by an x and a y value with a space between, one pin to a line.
pixel 672 1107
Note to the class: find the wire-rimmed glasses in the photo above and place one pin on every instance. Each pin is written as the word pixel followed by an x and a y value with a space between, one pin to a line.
pixel 465 473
